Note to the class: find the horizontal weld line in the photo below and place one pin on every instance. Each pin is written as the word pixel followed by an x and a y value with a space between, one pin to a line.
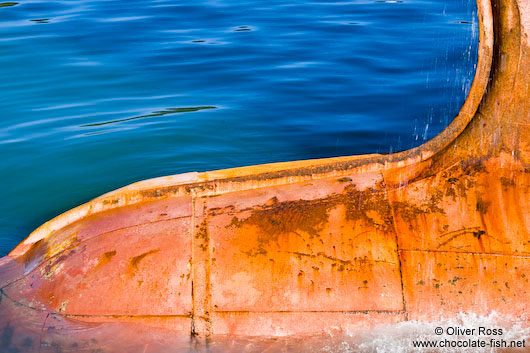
pixel 394 312
pixel 466 252
pixel 123 228
pixel 111 316
pixel 312 311
pixel 97 236
pixel 16 302
pixel 13 281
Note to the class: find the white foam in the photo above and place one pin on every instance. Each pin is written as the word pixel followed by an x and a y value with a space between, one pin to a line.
pixel 399 338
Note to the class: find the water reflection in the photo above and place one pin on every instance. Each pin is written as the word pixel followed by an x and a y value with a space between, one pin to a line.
pixel 242 29
pixel 168 111
pixel 41 20
pixel 6 4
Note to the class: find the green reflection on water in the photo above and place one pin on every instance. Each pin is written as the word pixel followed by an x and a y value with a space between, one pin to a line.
pixel 7 4
pixel 154 114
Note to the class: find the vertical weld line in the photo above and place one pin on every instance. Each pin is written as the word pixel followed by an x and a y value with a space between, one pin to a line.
pixel 208 298
pixel 192 265
pixel 398 250
pixel 521 47
pixel 42 331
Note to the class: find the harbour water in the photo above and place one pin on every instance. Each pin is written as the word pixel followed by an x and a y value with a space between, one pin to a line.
pixel 99 94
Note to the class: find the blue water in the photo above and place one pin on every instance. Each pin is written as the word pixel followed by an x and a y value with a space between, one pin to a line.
pixel 99 94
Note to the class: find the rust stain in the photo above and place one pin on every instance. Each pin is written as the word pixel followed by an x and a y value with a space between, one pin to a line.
pixel 309 216
pixel 103 260
pixel 344 180
pixel 135 261
pixel 482 206
pixel 287 217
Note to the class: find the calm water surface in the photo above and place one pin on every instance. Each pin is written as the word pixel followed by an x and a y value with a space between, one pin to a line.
pixel 99 94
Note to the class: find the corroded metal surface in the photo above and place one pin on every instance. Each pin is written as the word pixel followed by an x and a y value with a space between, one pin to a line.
pixel 298 247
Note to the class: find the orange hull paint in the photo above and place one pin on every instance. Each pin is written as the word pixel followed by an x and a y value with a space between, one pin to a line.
pixel 299 247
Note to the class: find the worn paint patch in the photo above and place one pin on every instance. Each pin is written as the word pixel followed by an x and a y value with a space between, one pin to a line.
pixel 54 249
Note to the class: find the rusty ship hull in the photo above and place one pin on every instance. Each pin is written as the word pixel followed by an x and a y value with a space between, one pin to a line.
pixel 300 247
